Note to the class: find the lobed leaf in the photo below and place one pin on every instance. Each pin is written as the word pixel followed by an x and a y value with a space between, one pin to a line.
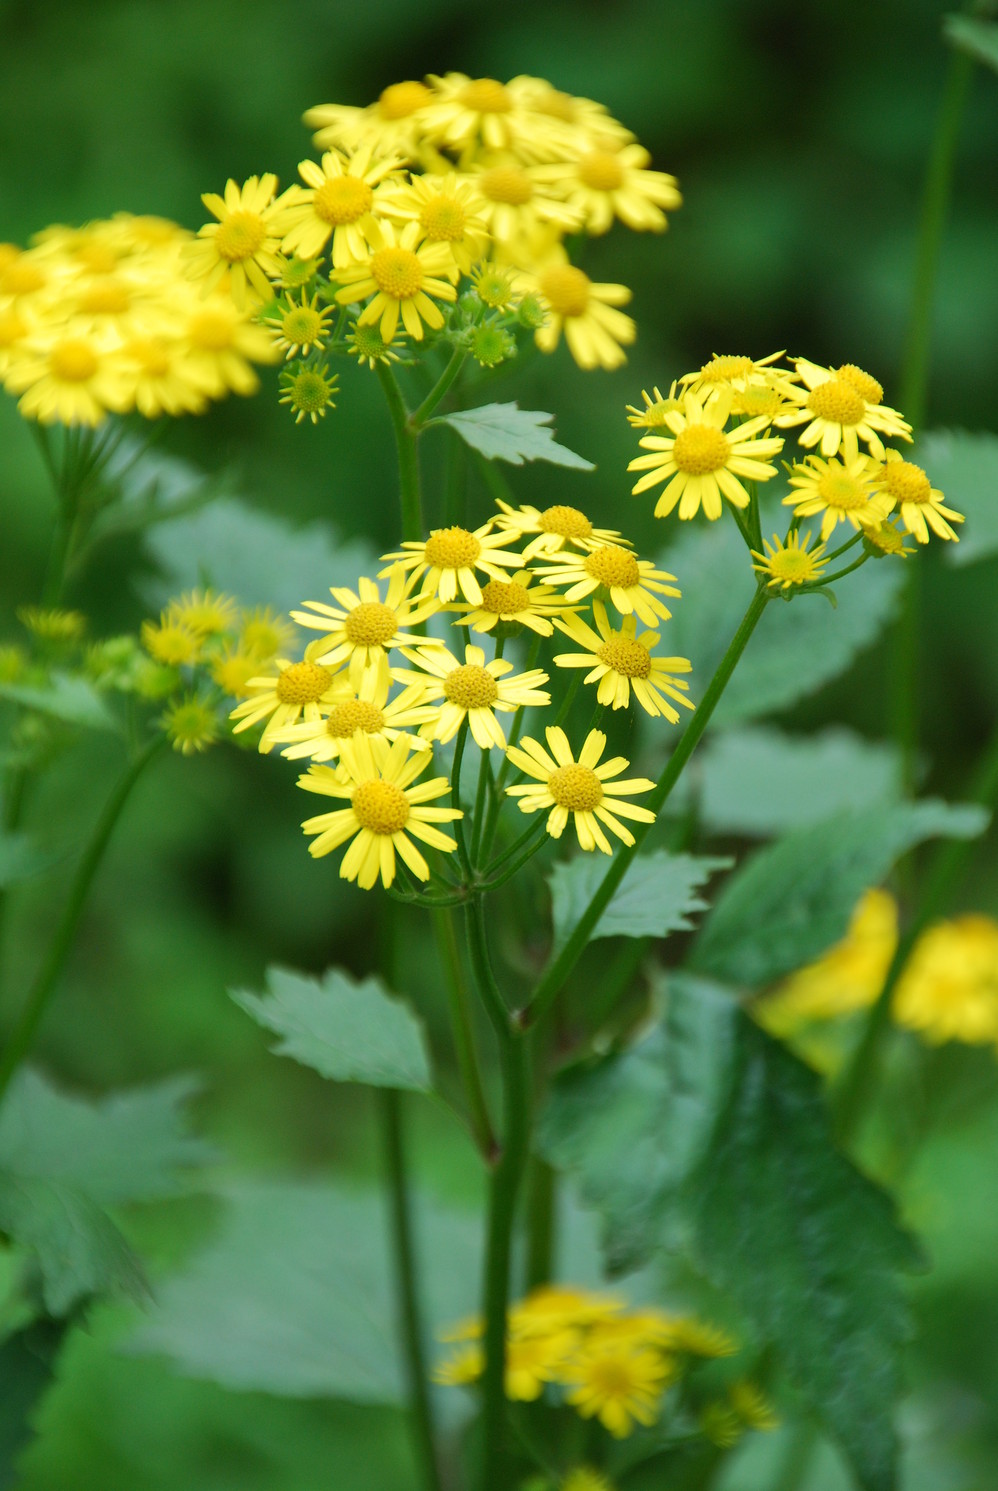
pixel 505 432
pixel 73 700
pixel 656 896
pixel 965 468
pixel 977 37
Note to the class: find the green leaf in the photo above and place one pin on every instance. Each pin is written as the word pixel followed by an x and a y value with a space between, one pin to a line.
pixel 147 486
pixel 757 780
pixel 347 1030
pixel 792 900
pixel 964 467
pixel 27 1368
pixel 65 697
pixel 505 432
pixel 656 896
pixel 295 1295
pixel 631 1128
pixel 21 859
pixel 978 38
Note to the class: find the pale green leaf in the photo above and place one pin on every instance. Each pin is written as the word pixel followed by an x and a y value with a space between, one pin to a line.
pixel 964 467
pixel 20 859
pixel 346 1029
pixel 793 899
pixel 73 700
pixel 505 432
pixel 656 896
pixel 977 37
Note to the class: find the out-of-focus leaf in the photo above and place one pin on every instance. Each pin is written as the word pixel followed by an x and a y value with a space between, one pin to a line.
pixel 964 466
pixel 149 486
pixel 20 859
pixel 73 700
pixel 505 432
pixel 977 37
pixel 295 1295
pixel 792 900
pixel 347 1029
pixel 757 780
pixel 656 896
pixel 27 1364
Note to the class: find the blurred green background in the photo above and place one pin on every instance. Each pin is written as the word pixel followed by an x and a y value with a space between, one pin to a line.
pixel 799 135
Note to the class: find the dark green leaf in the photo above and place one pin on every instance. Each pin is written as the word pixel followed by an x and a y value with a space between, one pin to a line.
pixel 979 38
pixel 27 1365
pixel 348 1030
pixel 505 432
pixel 73 700
pixel 656 896
pixel 965 468
pixel 792 900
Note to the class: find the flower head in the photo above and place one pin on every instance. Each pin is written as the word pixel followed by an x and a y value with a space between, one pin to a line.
pixel 392 125
pixel 595 330
pixel 295 691
pixel 633 584
pixel 619 1383
pixel 701 461
pixel 837 410
pixel 949 990
pixel 620 661
pixel 446 561
pixel 241 247
pixel 400 274
pixel 919 504
pixel 308 389
pixel 303 324
pixel 580 788
pixel 349 715
pixel 473 690
pixel 191 725
pixel 553 529
pixel 841 491
pixel 368 345
pixel 515 601
pixel 656 406
pixel 788 561
pixel 447 210
pixel 363 627
pixel 607 183
pixel 336 202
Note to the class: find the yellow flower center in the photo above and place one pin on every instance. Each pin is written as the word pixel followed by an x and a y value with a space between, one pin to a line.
pixel 837 401
pixel 302 326
pixel 442 219
pixel 471 687
pixel 21 278
pixel 906 482
pixel 505 598
pixel 371 624
pixel 612 1379
pixel 72 361
pixel 601 171
pixel 381 807
pixel 212 331
pixel 613 566
pixel 577 788
pixel 342 199
pixel 239 236
pixel 399 100
pixel 627 656
pixel 452 548
pixel 507 184
pixel 868 388
pixel 566 290
pixel 352 715
pixel 840 490
pixel 397 273
pixel 485 96
pixel 700 449
pixel 887 538
pixel 12 328
pixel 108 297
pixel 557 105
pixel 795 565
pixel 653 417
pixel 758 399
pixel 99 258
pixel 723 369
pixel 302 683
pixel 568 522
pixel 151 356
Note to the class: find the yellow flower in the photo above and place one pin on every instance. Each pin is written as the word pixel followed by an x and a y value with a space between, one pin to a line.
pixel 336 200
pixel 221 344
pixel 308 391
pixel 362 628
pixel 532 1361
pixel 51 625
pixel 205 612
pixel 553 1307
pixel 888 538
pixel 554 528
pixel 620 660
pixel 467 113
pixel 162 378
pixel 322 740
pixel 190 725
pixel 837 410
pixel 788 561
pixel 171 641
pixel 304 324
pixel 233 669
pixel 562 124
pixel 448 559
pixel 701 460
pixel 584 1478
pixel 918 502
pixel 295 691
pixel 473 690
pixel 752 1406
pixel 604 184
pixel 515 600
pixel 842 491
pixel 517 204
pixel 595 331
pixel 368 345
pixel 401 274
pixel 68 379
pixel 385 808
pixel 657 406
pixel 447 210
pixel 264 633
pixel 619 1384
pixel 242 244
pixel 392 125
pixel 634 585
pixel 739 374
pixel 463 1366
pixel 580 788
pixel 949 990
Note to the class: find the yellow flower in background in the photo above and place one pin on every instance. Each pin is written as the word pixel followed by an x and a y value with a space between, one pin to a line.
pixel 171 641
pixel 447 210
pixel 401 274
pixel 69 379
pixel 322 740
pixel 190 725
pixel 162 377
pixel 241 247
pixel 738 374
pixel 233 669
pixel 595 330
pixel 620 1384
pixel 580 789
pixel 515 600
pixel 51 625
pixel 335 202
pixel 473 690
pixel 919 504
pixel 558 1306
pixel 701 461
pixel 263 632
pixel 206 612
pixel 837 410
pixel 446 562
pixel 584 1478
pixel 634 585
pixel 605 184
pixel 392 125
pixel 362 628
pixel 386 807
pixel 563 124
pixel 949 990
pixel 889 538
pixel 518 204
pixel 656 406
pixel 553 529
pixel 621 661
pixel 295 691
pixel 841 491
pixel 467 113
pixel 221 346
pixel 789 561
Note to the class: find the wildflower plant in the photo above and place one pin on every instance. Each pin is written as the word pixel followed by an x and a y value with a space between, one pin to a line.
pixel 495 716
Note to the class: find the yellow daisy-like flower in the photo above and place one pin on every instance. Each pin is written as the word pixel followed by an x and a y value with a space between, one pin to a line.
pixel 385 807
pixel 190 725
pixel 889 539
pixel 308 391
pixel 572 122
pixel 301 690
pixel 392 125
pixel 448 559
pixel 515 600
pixel 68 379
pixel 473 690
pixel 463 1366
pixel 401 274
pixel 620 660
pixel 362 628
pixel 233 668
pixel 171 641
pixel 379 717
pixel 596 332
pixel 620 1384
pixel 221 344
pixel 605 184
pixel 447 210
pixel 701 461
pixel 532 1361
pixel 738 373
pixel 467 113
pixel 841 491
pixel 919 504
pixel 336 202
pixel 553 529
pixel 837 413
pixel 242 244
pixel 656 406
pixel 163 380
pixel 304 324
pixel 949 991
pixel 552 1307
pixel 205 612
pixel 264 633
pixel 789 562
pixel 517 204
pixel 580 788
pixel 52 625
pixel 634 585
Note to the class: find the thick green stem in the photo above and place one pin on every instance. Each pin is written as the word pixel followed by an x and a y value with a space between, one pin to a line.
pixel 459 829
pixel 408 455
pixel 403 1246
pixel 62 941
pixel 557 972
pixel 542 1227
pixel 463 1032
pixel 448 377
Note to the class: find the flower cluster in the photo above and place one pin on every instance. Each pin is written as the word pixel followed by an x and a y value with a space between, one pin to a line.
pixel 716 433
pixel 947 992
pixel 371 695
pixel 608 1362
pixel 104 319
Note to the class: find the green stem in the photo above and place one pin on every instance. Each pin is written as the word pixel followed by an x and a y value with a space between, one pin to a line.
pixel 463 1032
pixel 389 1103
pixel 557 972
pixel 514 848
pixel 408 456
pixel 534 841
pixel 59 948
pixel 618 979
pixel 462 841
pixel 542 1224
pixel 420 417
pixel 830 579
